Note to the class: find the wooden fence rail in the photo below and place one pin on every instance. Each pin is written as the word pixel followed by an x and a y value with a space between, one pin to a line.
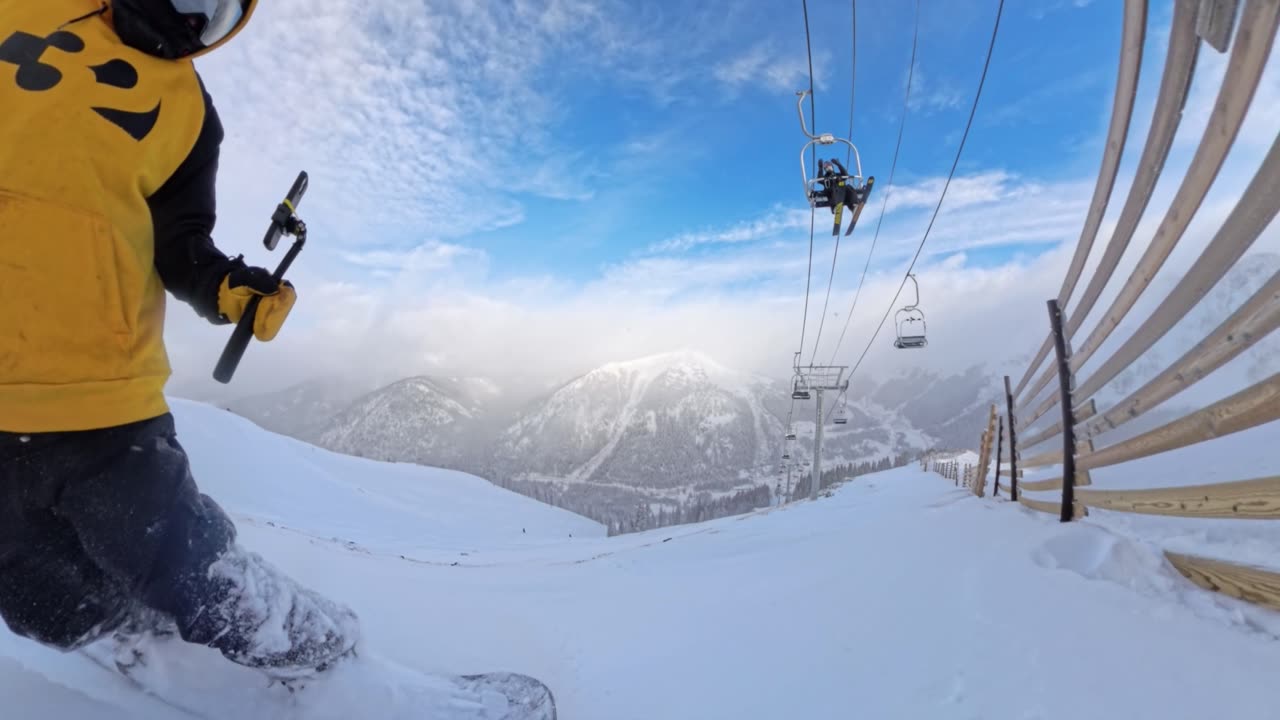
pixel 1253 321
pixel 1253 406
pixel 1253 44
pixel 1245 582
pixel 1135 14
pixel 1255 211
pixel 1257 499
pixel 1249 48
pixel 1084 412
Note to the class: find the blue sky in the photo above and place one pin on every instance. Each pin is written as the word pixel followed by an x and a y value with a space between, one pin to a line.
pixel 570 182
pixel 648 164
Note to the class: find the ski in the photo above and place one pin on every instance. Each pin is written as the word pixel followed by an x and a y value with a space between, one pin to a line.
pixel 857 211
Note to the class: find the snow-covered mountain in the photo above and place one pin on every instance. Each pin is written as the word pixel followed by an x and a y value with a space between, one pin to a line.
pixel 678 420
pixel 672 431
pixel 681 432
pixel 420 420
pixel 304 410
pixel 873 432
pixel 948 410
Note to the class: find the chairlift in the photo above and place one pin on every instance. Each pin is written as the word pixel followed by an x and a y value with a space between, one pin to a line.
pixel 842 414
pixel 786 456
pixel 834 187
pixel 910 335
pixel 791 436
pixel 800 387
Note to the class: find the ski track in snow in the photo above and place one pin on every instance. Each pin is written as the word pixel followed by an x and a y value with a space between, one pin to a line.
pixel 898 597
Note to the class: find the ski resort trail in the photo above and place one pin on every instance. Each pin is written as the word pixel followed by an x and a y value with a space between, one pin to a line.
pixel 899 597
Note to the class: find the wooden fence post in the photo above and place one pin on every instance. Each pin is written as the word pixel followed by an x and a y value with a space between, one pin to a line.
pixel 1013 443
pixel 984 461
pixel 995 490
pixel 982 455
pixel 1066 385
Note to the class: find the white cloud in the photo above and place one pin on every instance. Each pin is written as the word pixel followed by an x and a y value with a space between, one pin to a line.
pixel 763 65
pixel 926 98
pixel 984 187
pixel 430 256
pixel 417 120
pixel 774 223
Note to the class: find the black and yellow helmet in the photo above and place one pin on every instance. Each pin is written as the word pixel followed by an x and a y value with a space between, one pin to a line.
pixel 176 29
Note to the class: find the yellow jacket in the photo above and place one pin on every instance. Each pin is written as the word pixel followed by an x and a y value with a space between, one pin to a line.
pixel 97 159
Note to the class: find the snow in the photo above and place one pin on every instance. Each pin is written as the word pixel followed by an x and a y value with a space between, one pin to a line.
pixel 1240 456
pixel 900 596
pixel 961 459
pixel 267 478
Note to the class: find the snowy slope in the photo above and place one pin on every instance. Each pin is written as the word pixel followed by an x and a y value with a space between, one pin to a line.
pixel 900 597
pixel 268 478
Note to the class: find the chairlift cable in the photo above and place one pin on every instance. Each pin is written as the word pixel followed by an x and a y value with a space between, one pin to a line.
pixel 995 30
pixel 853 72
pixel 804 323
pixel 835 254
pixel 884 206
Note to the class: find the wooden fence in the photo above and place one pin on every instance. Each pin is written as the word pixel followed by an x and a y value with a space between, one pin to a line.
pixel 949 468
pixel 1082 421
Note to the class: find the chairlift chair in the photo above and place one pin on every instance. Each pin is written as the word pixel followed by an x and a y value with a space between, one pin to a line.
pixel 799 386
pixel 834 187
pixel 909 336
pixel 842 412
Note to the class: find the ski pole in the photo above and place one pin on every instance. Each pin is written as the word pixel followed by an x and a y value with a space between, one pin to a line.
pixel 284 221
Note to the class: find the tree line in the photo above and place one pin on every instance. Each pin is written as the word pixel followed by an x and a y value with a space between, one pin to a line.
pixel 624 510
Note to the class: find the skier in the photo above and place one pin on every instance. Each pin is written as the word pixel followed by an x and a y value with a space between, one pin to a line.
pixel 838 193
pixel 108 154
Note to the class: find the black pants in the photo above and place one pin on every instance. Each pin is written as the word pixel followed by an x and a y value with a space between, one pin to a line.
pixel 92 523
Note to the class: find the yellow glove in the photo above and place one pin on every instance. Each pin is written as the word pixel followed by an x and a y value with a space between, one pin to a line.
pixel 242 285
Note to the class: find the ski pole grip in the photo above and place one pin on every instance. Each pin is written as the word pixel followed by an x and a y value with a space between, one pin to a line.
pixel 238 343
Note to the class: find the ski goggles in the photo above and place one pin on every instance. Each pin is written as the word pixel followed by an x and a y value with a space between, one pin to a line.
pixel 221 17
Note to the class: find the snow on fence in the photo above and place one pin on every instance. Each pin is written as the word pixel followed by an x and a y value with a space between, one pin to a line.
pixel 1255 319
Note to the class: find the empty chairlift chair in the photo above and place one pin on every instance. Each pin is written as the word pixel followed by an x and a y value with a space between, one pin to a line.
pixel 842 415
pixel 910 324
pixel 800 389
